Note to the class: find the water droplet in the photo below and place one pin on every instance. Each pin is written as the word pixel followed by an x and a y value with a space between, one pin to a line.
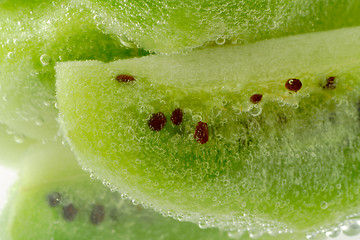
pixel 45 59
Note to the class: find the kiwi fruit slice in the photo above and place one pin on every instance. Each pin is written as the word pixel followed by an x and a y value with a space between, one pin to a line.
pixel 55 199
pixel 33 37
pixel 263 134
pixel 176 26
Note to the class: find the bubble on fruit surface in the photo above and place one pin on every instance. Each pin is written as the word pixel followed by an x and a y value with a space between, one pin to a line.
pixel 333 233
pixel 39 121
pixel 351 227
pixel 255 111
pixel 324 205
pixel 220 41
pixel 196 118
pixel 19 138
pixel 10 55
pixel 311 236
pixel 45 59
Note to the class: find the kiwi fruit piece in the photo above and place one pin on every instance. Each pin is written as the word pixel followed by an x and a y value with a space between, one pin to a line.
pixel 33 36
pixel 55 199
pixel 176 26
pixel 262 134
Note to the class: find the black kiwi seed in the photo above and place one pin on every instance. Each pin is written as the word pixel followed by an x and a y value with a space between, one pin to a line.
pixel 201 133
pixel 54 199
pixel 293 85
pixel 330 83
pixel 97 214
pixel 157 121
pixel 69 212
pixel 177 116
pixel 256 98
pixel 125 78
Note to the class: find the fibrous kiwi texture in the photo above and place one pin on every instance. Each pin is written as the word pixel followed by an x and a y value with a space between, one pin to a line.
pixel 164 26
pixel 262 137
pixel 33 36
pixel 55 199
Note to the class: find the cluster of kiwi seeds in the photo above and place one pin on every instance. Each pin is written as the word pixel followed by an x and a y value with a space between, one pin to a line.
pixel 158 120
pixel 69 211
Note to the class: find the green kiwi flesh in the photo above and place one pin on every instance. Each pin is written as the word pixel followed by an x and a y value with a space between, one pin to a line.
pixel 176 26
pixel 289 161
pixel 55 199
pixel 33 36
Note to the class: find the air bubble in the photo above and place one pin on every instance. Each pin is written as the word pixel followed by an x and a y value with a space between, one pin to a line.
pixel 19 138
pixel 324 205
pixel 333 233
pixel 47 103
pixel 236 234
pixel 197 118
pixel 203 225
pixel 10 55
pixel 310 236
pixel 220 41
pixel 116 164
pixel 255 111
pixel 255 234
pixel 351 227
pixel 39 121
pixel 45 59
